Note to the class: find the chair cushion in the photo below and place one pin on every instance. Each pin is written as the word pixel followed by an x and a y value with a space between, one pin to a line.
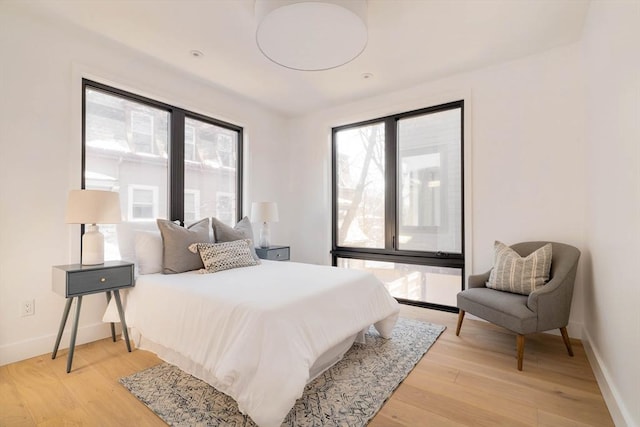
pixel 505 309
pixel 522 275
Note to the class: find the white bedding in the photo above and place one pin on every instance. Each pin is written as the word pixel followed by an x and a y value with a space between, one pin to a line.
pixel 254 332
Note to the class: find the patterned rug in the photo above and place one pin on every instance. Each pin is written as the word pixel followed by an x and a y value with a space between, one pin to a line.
pixel 348 394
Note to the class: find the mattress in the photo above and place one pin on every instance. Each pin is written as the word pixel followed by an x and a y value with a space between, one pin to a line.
pixel 260 333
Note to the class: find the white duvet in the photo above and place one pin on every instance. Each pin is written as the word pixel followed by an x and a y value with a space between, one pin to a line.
pixel 254 332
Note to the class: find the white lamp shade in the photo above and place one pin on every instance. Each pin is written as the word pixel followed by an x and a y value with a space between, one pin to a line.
pixel 311 35
pixel 264 212
pixel 93 207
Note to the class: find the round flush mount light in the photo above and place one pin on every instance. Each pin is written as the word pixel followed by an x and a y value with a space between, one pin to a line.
pixel 311 35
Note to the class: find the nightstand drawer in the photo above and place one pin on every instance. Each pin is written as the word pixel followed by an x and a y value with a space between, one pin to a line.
pixel 82 282
pixel 76 280
pixel 276 253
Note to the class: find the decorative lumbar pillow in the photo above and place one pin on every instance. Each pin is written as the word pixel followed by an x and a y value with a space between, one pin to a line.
pixel 521 275
pixel 148 247
pixel 176 257
pixel 243 230
pixel 224 256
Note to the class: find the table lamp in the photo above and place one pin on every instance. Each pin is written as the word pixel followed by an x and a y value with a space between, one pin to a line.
pixel 264 212
pixel 92 207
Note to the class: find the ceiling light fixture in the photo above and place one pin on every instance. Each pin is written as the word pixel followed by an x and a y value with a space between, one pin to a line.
pixel 196 53
pixel 310 35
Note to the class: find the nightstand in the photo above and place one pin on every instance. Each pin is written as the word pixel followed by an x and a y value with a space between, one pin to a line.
pixel 274 253
pixel 76 280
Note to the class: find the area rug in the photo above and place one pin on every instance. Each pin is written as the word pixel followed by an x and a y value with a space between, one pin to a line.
pixel 348 394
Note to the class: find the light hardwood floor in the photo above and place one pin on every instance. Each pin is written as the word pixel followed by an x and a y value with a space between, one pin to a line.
pixel 469 380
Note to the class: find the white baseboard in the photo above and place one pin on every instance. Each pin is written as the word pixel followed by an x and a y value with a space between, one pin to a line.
pixel 619 413
pixel 33 347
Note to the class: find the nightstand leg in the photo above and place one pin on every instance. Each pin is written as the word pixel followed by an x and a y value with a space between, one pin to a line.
pixel 116 293
pixel 113 328
pixel 63 323
pixel 74 332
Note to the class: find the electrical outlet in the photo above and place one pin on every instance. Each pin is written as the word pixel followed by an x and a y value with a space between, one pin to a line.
pixel 28 308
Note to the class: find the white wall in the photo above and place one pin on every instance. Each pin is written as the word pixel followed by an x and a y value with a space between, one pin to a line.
pixel 526 166
pixel 40 109
pixel 611 45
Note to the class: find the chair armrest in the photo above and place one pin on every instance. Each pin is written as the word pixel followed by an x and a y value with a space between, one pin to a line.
pixel 552 302
pixel 478 280
pixel 547 293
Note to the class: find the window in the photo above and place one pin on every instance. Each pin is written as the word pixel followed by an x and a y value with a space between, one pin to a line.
pixel 189 143
pixel 143 203
pixel 398 202
pixel 361 197
pixel 142 132
pixel 225 203
pixel 191 205
pixel 216 170
pixel 224 149
pixel 154 155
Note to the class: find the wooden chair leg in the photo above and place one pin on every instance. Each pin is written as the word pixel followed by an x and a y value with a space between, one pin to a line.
pixel 567 342
pixel 520 344
pixel 460 318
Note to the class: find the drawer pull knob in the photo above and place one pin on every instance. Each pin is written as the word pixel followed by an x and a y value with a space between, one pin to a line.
pixel 278 255
pixel 102 280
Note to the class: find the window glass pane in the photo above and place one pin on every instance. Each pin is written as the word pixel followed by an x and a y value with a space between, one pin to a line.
pixel 430 182
pixel 436 285
pixel 191 205
pixel 126 151
pixel 142 131
pixel 212 173
pixel 360 200
pixel 189 143
pixel 143 202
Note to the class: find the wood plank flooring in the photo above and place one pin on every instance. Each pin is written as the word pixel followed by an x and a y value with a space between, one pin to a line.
pixel 470 380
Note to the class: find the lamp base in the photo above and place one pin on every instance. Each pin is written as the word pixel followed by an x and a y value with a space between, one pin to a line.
pixel 92 246
pixel 265 235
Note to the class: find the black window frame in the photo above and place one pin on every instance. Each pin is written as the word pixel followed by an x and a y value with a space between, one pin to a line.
pixel 390 252
pixel 177 116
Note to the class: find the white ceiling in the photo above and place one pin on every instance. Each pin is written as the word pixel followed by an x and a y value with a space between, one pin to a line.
pixel 410 42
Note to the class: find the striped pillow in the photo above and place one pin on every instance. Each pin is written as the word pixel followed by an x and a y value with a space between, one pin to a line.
pixel 520 275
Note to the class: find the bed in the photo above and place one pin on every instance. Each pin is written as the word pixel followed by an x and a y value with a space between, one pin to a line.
pixel 260 333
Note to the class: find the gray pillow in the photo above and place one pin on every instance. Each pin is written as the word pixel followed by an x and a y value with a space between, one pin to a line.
pixel 243 230
pixel 176 257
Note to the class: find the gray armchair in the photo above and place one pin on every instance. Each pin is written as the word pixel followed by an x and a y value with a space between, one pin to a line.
pixel 544 309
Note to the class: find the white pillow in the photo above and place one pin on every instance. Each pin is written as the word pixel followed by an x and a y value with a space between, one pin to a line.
pixel 126 237
pixel 148 247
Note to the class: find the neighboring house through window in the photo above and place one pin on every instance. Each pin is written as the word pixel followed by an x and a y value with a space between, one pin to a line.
pixel 143 203
pixel 191 205
pixel 163 160
pixel 224 206
pixel 189 143
pixel 142 132
pixel 224 149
